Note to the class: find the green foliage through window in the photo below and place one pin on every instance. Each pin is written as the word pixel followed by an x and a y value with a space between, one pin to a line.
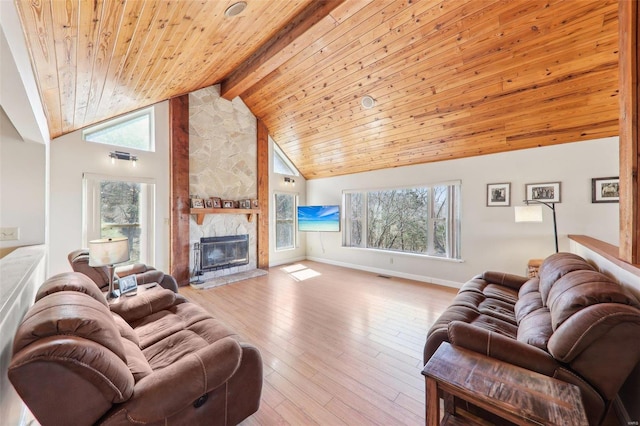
pixel 285 221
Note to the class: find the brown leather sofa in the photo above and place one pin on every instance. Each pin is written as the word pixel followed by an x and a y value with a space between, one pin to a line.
pixel 79 261
pixel 153 358
pixel 571 322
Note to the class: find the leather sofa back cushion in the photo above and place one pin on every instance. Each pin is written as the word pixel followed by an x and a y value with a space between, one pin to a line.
pixel 535 328
pixel 555 267
pixel 579 289
pixel 71 281
pixel 68 313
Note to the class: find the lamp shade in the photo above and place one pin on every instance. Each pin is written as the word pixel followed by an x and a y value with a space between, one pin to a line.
pixel 108 251
pixel 528 213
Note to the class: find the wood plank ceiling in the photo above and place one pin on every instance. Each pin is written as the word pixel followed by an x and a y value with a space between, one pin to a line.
pixel 450 78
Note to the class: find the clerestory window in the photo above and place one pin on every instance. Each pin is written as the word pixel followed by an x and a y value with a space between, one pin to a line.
pixel 133 131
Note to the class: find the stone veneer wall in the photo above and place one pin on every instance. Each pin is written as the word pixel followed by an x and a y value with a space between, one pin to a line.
pixel 222 163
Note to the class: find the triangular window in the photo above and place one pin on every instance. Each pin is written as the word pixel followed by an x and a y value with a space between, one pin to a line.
pixel 130 131
pixel 281 164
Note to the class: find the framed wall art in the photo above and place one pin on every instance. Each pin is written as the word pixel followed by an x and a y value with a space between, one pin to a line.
pixel 197 203
pixel 498 195
pixel 544 192
pixel 605 190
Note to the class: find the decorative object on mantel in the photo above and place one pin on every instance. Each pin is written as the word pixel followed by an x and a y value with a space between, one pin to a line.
pixel 227 204
pixel 605 190
pixel 208 203
pixel 197 203
pixel 217 203
pixel 544 192
pixel 498 194
pixel 245 204
pixel 255 204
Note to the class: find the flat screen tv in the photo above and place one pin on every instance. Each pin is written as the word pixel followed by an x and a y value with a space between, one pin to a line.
pixel 319 218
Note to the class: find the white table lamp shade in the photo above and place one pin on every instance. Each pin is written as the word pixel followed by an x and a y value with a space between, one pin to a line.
pixel 528 213
pixel 108 251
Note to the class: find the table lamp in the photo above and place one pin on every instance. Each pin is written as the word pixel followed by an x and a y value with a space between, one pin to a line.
pixel 107 252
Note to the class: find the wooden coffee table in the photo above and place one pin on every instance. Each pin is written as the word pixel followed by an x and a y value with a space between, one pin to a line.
pixel 513 393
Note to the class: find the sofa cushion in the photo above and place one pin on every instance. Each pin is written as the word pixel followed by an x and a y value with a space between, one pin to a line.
pixel 527 304
pixel 579 289
pixel 535 328
pixel 555 267
pixel 136 361
pixel 531 286
pixel 71 281
pixel 494 291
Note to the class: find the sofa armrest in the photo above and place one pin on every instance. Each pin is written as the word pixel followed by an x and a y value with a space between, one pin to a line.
pixel 146 302
pixel 166 392
pixel 507 280
pixel 501 347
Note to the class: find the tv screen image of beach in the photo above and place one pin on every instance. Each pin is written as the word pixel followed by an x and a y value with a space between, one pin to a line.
pixel 319 218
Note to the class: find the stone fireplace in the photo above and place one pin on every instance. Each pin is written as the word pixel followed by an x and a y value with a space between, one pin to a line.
pixel 222 163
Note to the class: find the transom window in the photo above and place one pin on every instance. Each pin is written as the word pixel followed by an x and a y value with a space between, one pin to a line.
pixel 422 220
pixel 129 131
pixel 281 164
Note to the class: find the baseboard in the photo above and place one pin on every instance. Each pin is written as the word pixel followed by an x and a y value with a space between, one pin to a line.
pixel 391 273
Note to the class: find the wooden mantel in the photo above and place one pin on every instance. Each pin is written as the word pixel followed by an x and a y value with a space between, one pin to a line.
pixel 201 213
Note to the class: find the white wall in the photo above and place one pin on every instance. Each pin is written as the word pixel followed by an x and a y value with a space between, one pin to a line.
pixel 276 184
pixel 490 238
pixel 22 185
pixel 71 157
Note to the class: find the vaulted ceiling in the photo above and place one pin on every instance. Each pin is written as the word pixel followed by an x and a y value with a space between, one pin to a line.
pixel 450 78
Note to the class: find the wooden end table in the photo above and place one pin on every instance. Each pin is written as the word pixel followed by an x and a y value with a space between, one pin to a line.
pixel 513 393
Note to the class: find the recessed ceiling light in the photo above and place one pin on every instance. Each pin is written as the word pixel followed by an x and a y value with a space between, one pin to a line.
pixel 235 9
pixel 368 102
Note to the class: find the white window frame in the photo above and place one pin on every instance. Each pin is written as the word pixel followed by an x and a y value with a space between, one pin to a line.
pixel 452 230
pixel 91 220
pixel 122 119
pixel 294 221
pixel 280 154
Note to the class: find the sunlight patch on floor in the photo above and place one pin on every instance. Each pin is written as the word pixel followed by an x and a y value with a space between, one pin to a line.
pixel 300 272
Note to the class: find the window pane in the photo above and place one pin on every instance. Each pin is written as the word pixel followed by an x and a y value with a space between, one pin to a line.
pixel 120 214
pixel 134 132
pixel 285 232
pixel 421 220
pixel 397 220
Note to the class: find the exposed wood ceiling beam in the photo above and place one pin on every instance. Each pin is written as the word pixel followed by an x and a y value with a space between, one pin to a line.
pixel 311 24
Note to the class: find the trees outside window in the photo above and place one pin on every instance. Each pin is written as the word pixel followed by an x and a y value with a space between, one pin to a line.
pixel 285 211
pixel 421 220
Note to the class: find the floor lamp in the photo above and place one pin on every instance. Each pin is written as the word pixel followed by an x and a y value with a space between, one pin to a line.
pixel 533 213
pixel 107 252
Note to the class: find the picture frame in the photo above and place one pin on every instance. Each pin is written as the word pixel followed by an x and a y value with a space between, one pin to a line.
pixel 498 194
pixel 227 204
pixel 217 203
pixel 255 204
pixel 127 284
pixel 245 204
pixel 605 190
pixel 548 192
pixel 197 203
pixel 208 203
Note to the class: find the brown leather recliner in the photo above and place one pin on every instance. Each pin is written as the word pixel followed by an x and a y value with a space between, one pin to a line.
pixel 153 359
pixel 79 261
pixel 572 323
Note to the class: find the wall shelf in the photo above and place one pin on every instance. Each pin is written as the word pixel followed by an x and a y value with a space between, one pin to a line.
pixel 201 213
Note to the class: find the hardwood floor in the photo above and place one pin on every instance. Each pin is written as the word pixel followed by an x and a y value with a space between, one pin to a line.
pixel 339 346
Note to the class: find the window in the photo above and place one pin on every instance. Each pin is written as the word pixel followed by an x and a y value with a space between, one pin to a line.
pixel 285 205
pixel 114 207
pixel 281 164
pixel 422 220
pixel 130 131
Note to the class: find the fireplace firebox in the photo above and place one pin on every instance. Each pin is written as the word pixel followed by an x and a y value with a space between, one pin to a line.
pixel 223 252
